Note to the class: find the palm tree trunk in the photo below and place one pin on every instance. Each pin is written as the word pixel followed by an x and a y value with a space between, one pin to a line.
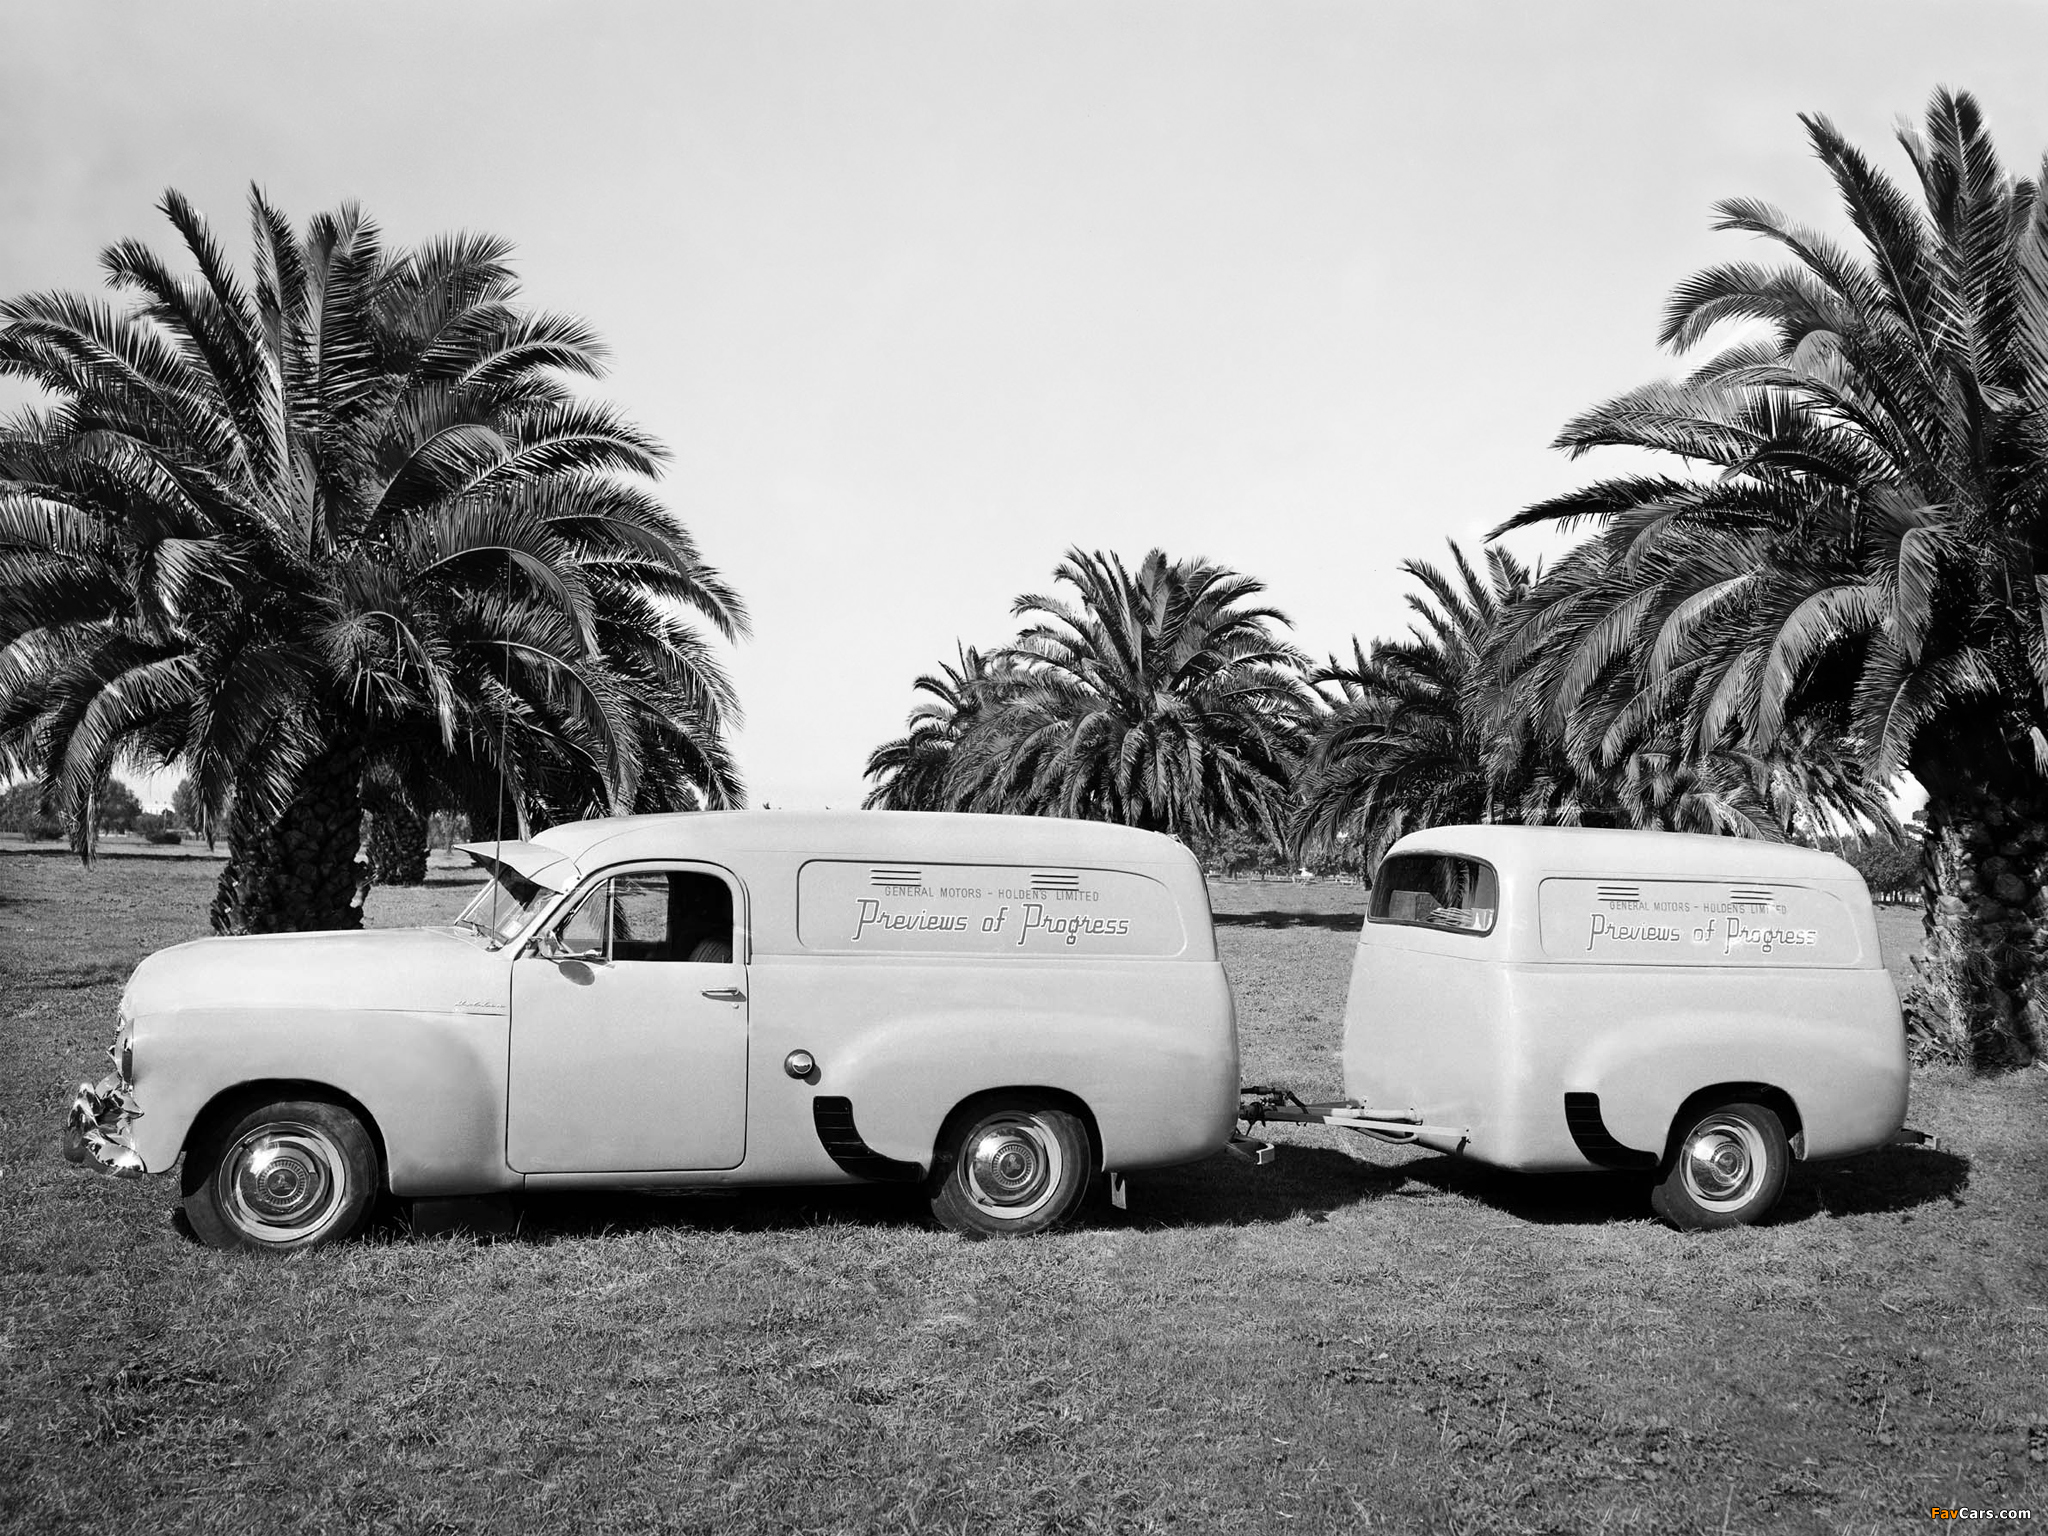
pixel 300 872
pixel 1984 874
pixel 395 836
pixel 494 814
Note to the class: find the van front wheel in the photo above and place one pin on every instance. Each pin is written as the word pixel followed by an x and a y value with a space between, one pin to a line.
pixel 1727 1170
pixel 1012 1166
pixel 289 1174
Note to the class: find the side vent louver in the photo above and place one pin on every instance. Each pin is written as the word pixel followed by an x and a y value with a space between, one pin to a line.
pixel 1055 880
pixel 1594 1141
pixel 895 874
pixel 842 1142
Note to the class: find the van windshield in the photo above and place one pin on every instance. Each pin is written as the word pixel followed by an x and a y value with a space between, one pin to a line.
pixel 503 908
pixel 1436 890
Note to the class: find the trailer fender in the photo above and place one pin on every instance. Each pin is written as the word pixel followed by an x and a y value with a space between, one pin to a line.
pixel 1642 1094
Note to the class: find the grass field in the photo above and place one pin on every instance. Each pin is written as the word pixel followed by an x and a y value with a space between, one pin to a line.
pixel 1356 1338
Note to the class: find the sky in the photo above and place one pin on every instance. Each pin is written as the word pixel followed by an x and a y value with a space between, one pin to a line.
pixel 922 293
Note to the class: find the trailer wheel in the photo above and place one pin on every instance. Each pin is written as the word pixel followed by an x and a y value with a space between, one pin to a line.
pixel 290 1174
pixel 1011 1166
pixel 1727 1170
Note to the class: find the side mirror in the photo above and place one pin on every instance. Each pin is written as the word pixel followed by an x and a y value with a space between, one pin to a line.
pixel 552 948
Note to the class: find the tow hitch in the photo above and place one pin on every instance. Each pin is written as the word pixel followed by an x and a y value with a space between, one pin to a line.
pixel 1260 1105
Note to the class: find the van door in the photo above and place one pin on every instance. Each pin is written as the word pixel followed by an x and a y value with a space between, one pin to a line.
pixel 629 1029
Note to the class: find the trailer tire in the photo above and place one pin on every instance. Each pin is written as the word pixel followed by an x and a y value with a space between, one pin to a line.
pixel 1727 1169
pixel 1008 1166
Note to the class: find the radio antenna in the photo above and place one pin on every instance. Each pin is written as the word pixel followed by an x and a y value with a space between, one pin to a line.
pixel 504 728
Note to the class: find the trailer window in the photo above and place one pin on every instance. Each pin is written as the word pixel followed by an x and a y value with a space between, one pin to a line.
pixel 1436 890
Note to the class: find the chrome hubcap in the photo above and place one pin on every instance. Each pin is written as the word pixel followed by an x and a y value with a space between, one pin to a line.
pixel 283 1182
pixel 1724 1160
pixel 1013 1166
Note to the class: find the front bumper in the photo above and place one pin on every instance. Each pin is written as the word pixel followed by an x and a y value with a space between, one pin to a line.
pixel 98 1127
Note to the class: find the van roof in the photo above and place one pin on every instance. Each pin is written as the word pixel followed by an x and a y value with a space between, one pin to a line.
pixel 1610 851
pixel 938 836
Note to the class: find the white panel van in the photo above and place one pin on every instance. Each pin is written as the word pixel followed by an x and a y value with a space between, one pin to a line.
pixel 994 1008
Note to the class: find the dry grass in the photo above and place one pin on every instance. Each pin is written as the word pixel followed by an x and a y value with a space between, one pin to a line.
pixel 1357 1338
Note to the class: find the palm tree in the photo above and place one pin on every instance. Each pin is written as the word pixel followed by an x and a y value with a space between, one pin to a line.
pixel 1478 715
pixel 1412 735
pixel 1871 547
pixel 1603 748
pixel 1160 698
pixel 341 516
pixel 910 772
pixel 394 834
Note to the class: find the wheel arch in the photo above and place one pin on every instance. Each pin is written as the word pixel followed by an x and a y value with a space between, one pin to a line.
pixel 245 1096
pixel 1768 1095
pixel 1052 1098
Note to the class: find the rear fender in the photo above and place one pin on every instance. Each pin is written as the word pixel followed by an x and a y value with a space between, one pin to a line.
pixel 1052 1098
pixel 1776 1100
pixel 1161 1097
pixel 1834 1093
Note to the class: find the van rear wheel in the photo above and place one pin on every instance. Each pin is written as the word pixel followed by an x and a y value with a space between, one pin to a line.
pixel 1010 1166
pixel 1727 1170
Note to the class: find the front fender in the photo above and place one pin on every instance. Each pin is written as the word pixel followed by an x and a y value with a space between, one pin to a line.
pixel 434 1083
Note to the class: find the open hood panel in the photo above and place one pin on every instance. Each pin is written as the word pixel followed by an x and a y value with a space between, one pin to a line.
pixel 544 867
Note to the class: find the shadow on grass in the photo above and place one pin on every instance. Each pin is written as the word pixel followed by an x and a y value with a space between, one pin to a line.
pixel 1547 1199
pixel 188 853
pixel 1221 1191
pixel 1335 922
pixel 1889 1180
pixel 561 1215
pixel 1226 1191
pixel 68 978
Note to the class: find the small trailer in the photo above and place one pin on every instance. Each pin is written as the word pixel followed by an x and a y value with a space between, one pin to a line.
pixel 1703 1010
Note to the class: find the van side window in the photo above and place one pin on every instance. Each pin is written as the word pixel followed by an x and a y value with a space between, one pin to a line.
pixel 699 918
pixel 1436 890
pixel 660 916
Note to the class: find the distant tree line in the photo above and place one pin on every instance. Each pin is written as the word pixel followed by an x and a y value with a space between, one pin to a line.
pixel 1166 698
pixel 1889 864
pixel 31 810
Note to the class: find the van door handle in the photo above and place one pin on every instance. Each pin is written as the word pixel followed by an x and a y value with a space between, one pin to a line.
pixel 725 994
